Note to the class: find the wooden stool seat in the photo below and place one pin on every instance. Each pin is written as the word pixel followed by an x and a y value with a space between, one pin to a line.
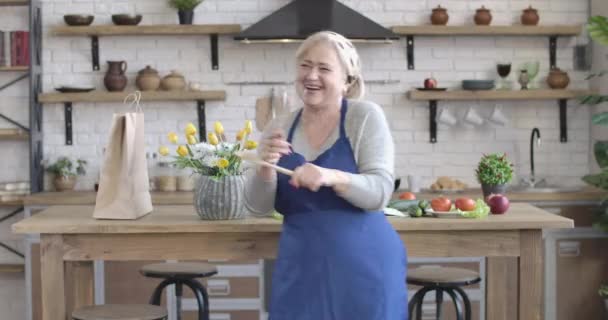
pixel 179 270
pixel 441 276
pixel 120 312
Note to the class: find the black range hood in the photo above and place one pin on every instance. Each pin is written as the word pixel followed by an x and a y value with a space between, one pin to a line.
pixel 300 18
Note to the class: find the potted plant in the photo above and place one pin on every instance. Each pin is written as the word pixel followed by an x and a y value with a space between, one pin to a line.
pixel 65 171
pixel 219 190
pixel 603 292
pixel 598 30
pixel 493 172
pixel 185 9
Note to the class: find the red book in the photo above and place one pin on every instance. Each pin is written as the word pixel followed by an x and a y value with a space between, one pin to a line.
pixel 26 48
pixel 19 58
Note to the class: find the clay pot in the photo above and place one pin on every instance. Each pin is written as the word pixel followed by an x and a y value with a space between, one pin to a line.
pixel 173 81
pixel 64 183
pixel 440 16
pixel 530 17
pixel 147 79
pixel 483 17
pixel 558 79
pixel 115 79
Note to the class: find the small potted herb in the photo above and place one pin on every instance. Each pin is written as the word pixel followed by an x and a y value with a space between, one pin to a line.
pixel 493 172
pixel 185 9
pixel 65 171
pixel 603 292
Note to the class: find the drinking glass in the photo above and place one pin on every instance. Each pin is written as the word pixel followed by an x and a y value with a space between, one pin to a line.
pixel 504 69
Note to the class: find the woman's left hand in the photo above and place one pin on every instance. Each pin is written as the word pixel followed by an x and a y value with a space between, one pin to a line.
pixel 312 177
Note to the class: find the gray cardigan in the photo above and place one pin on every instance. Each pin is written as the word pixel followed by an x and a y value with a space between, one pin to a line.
pixel 373 148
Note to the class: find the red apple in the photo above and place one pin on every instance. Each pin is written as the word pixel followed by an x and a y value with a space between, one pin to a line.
pixel 430 83
pixel 498 203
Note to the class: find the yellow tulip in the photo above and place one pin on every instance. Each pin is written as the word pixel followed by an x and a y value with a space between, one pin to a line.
pixel 182 151
pixel 219 129
pixel 240 135
pixel 172 136
pixel 163 151
pixel 191 139
pixel 212 138
pixel 222 163
pixel 248 127
pixel 190 129
pixel 250 145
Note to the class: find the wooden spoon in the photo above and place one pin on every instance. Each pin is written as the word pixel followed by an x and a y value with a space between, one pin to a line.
pixel 253 158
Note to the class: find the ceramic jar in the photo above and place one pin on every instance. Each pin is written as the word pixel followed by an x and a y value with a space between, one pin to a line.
pixel 440 16
pixel 147 79
pixel 115 79
pixel 558 79
pixel 220 198
pixel 173 82
pixel 64 183
pixel 530 17
pixel 483 17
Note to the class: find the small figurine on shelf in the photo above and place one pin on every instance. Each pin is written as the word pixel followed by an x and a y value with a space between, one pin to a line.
pixel 524 79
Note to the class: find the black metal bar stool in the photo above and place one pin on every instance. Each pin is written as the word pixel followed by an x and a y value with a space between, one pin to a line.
pixel 440 280
pixel 180 274
pixel 120 312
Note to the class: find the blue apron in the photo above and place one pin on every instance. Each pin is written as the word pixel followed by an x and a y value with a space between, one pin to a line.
pixel 335 261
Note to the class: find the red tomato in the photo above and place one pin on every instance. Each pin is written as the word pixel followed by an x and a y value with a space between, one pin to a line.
pixel 465 204
pixel 407 196
pixel 441 204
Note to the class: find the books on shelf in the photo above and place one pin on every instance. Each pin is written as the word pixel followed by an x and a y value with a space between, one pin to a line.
pixel 14 191
pixel 14 48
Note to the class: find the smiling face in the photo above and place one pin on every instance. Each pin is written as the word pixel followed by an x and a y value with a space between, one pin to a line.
pixel 321 78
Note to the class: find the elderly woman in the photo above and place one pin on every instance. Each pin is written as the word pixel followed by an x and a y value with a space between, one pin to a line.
pixel 338 256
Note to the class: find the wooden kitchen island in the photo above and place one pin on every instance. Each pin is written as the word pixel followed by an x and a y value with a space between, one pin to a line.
pixel 69 234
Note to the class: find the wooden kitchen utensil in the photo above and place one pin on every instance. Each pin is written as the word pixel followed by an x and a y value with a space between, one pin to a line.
pixel 253 158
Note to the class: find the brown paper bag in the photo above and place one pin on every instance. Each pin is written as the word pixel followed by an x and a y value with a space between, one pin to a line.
pixel 124 186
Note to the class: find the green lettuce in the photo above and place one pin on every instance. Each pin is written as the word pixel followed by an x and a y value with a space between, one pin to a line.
pixel 481 210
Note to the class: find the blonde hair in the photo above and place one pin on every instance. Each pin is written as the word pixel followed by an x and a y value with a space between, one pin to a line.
pixel 347 54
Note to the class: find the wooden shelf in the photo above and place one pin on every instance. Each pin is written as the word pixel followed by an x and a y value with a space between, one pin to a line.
pixel 13 68
pixel 12 268
pixel 168 29
pixel 13 134
pixel 12 203
pixel 213 30
pixel 459 95
pixel 535 94
pixel 102 96
pixel 518 30
pixel 5 3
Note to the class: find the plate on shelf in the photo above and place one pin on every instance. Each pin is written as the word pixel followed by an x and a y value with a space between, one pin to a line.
pixel 444 214
pixel 431 89
pixel 74 89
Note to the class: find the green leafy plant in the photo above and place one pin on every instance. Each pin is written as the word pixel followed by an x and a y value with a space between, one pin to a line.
pixel 598 30
pixel 603 291
pixel 494 169
pixel 65 167
pixel 185 5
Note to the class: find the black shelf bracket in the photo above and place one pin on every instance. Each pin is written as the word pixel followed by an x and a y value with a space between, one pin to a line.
pixel 11 214
pixel 11 249
pixel 433 120
pixel 68 123
pixel 410 52
pixel 214 53
pixel 552 51
pixel 22 127
pixel 563 123
pixel 202 120
pixel 12 82
pixel 95 52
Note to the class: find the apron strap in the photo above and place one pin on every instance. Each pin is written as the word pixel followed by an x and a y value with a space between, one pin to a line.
pixel 342 117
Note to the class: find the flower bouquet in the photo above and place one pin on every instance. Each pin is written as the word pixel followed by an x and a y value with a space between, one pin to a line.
pixel 219 191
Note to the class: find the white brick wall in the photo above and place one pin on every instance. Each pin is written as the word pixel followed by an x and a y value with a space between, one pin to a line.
pixel 67 61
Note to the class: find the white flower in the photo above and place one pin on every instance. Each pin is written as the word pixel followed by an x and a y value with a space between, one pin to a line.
pixel 203 149
pixel 225 146
pixel 210 161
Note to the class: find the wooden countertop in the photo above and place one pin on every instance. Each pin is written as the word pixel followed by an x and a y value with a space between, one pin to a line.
pixel 183 219
pixel 185 198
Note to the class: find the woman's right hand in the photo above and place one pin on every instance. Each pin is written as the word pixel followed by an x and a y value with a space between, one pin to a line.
pixel 272 147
